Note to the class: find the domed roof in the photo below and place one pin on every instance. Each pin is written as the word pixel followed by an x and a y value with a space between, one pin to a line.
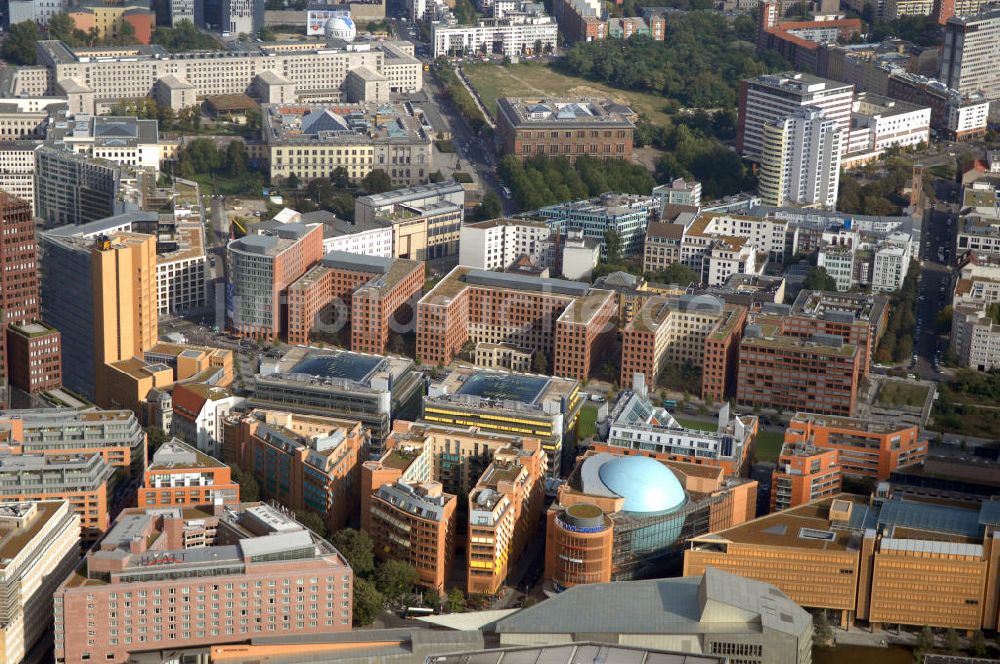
pixel 645 484
pixel 340 27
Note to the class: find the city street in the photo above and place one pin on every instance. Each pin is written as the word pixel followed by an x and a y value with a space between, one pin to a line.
pixel 936 287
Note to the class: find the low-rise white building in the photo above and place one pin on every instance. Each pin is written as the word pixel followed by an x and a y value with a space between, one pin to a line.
pixel 514 35
pixel 878 123
pixel 198 414
pixel 838 261
pixel 497 243
pixel 639 425
pixel 123 140
pixel 17 169
pixel 369 238
pixel 975 337
pixel 579 256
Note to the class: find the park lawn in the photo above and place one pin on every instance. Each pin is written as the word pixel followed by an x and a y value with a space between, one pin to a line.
pixel 768 445
pixel 587 423
pixel 538 79
pixel 249 184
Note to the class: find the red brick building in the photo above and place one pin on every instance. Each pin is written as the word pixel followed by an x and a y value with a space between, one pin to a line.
pixel 34 353
pixel 567 321
pixel 368 292
pixel 569 127
pixel 819 374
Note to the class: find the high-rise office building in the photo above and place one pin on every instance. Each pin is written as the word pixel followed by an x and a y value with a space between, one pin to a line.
pixel 18 267
pixel 772 97
pixel 100 293
pixel 39 545
pixel 970 53
pixel 267 265
pixel 800 159
pixel 125 315
pixel 71 188
pixel 18 270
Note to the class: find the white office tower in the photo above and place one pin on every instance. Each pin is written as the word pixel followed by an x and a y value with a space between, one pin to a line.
pixel 800 160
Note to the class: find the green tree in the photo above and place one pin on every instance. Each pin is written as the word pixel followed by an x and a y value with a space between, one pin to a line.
pixel 368 602
pixel 61 27
pixel 293 181
pixel 819 279
pixel 267 34
pixel 236 158
pixel 312 521
pixel 249 489
pixel 394 579
pixel 185 37
pixel 952 641
pixel 924 643
pixel 19 46
pixel 979 644
pixel 356 546
pixel 490 207
pixel 155 436
pixel 822 629
pixel 539 362
pixel 340 178
pixel 432 598
pixel 376 182
pixel 456 600
pixel 253 120
pixel 613 246
pixel 676 273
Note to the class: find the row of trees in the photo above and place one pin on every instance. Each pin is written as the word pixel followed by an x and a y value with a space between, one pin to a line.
pixel 897 341
pixel 459 95
pixel 699 63
pixel 539 180
pixel 19 46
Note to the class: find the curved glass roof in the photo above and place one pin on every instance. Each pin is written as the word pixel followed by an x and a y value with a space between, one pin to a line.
pixel 646 484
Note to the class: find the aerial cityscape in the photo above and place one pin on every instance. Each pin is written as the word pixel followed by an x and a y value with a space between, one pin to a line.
pixel 500 331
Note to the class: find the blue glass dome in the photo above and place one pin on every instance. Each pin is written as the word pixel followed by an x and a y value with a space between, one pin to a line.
pixel 645 484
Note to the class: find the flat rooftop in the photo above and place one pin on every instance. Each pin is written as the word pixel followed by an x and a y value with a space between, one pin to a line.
pixel 349 366
pixel 505 386
pixel 540 112
pixel 529 390
pixel 320 123
pixel 15 537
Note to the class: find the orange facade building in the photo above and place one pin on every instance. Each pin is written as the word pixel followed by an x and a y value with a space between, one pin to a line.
pixel 865 448
pixel 505 508
pixel 820 373
pixel 180 475
pixel 409 500
pixel 804 473
pixel 304 462
pixel 569 322
pixel 83 480
pixel 883 560
pixel 367 292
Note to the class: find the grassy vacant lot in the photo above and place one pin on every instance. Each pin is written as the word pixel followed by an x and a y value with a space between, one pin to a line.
pixel 588 422
pixel 533 79
pixel 893 393
pixel 767 445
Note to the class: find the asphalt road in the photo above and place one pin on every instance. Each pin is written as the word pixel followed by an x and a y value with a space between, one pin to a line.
pixel 935 288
